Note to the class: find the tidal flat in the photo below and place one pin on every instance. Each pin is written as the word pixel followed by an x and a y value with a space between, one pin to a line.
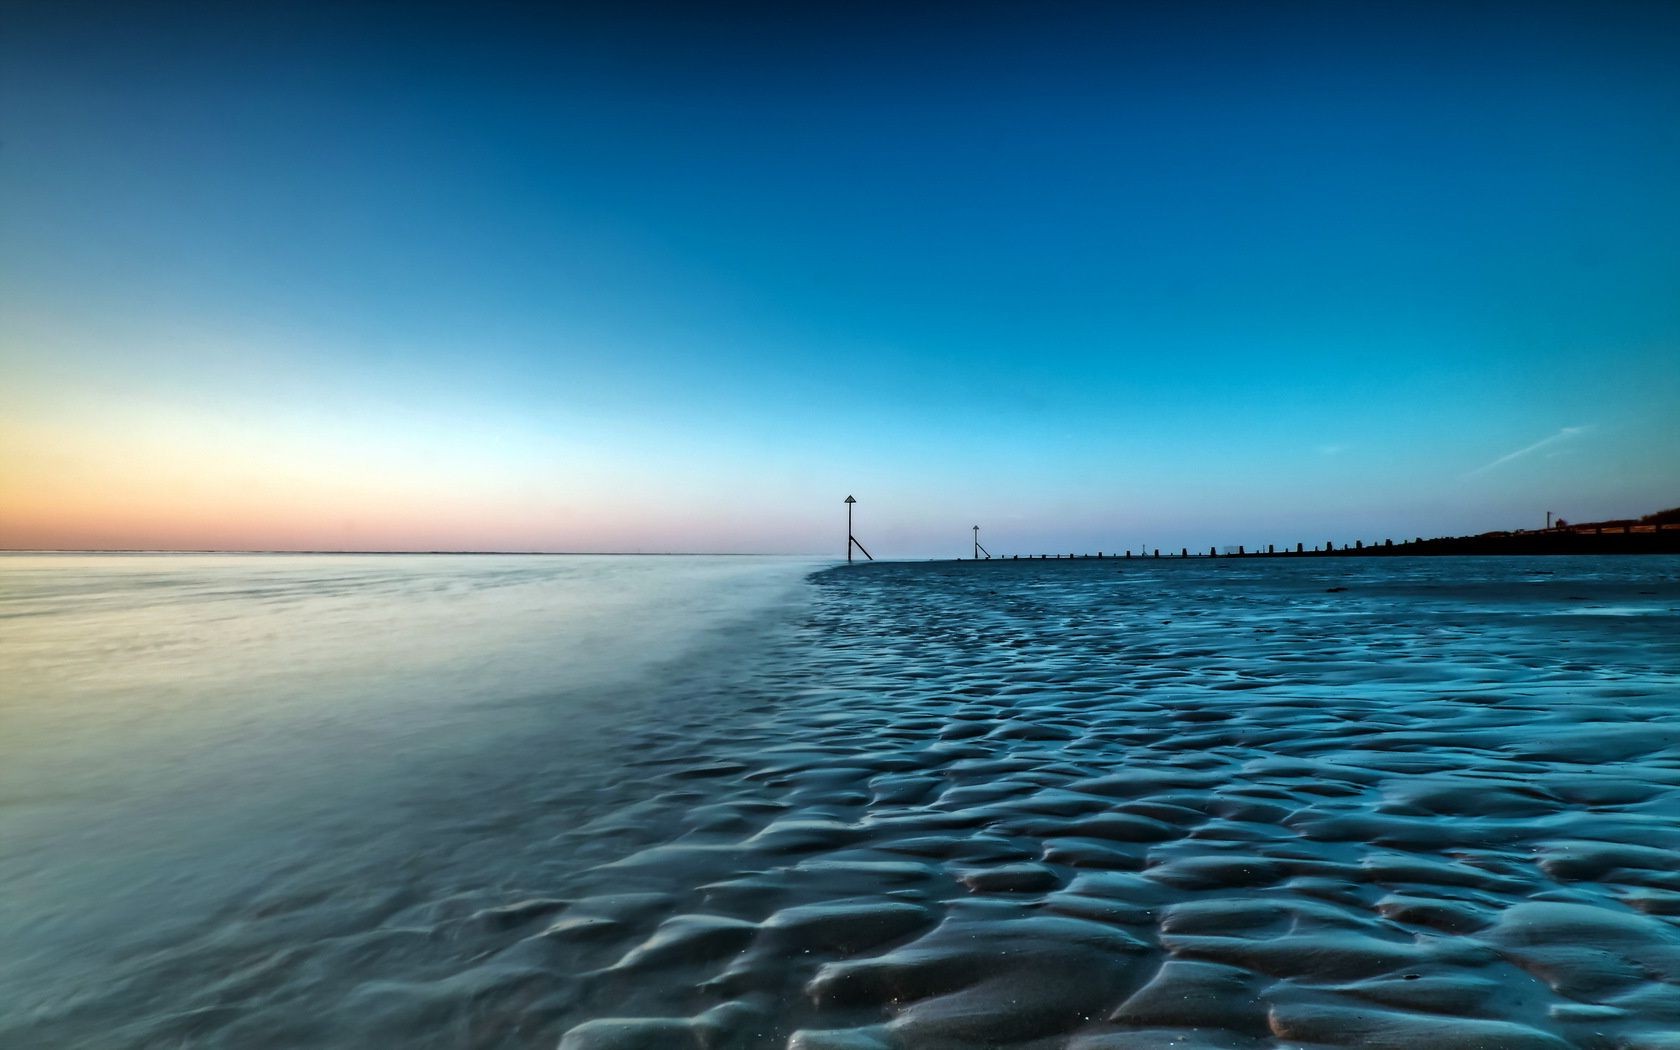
pixel 1398 803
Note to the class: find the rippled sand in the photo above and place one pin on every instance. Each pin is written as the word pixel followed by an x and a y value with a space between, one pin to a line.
pixel 1398 804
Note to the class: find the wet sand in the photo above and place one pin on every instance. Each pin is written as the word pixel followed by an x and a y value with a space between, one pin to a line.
pixel 1096 805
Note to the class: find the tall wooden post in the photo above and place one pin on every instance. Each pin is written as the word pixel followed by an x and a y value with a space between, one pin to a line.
pixel 851 540
pixel 849 502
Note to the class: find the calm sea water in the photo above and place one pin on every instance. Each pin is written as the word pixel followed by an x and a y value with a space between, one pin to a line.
pixel 181 733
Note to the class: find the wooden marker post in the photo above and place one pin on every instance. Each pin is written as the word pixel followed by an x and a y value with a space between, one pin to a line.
pixel 851 541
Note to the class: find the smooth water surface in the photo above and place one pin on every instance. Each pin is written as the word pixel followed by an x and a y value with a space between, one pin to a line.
pixel 181 734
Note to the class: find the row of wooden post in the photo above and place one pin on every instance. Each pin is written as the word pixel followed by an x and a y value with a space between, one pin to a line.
pixel 1184 552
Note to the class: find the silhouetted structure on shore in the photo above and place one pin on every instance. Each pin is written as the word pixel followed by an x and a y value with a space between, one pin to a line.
pixel 1624 540
pixel 1657 533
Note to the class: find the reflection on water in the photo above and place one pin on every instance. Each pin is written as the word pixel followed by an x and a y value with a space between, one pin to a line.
pixel 180 732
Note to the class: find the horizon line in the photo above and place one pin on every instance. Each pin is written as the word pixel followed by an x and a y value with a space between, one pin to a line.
pixel 324 550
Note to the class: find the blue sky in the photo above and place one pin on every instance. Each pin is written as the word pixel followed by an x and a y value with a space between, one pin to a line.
pixel 672 278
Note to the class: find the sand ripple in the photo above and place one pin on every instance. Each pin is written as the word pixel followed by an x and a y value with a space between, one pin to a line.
pixel 1069 806
pixel 1105 805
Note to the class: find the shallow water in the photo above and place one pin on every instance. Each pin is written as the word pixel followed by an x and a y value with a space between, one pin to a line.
pixel 1077 803
pixel 211 762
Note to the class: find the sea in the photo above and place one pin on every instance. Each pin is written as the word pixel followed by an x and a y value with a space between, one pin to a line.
pixel 602 802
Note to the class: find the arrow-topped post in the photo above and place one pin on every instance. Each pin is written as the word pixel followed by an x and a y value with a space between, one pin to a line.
pixel 851 541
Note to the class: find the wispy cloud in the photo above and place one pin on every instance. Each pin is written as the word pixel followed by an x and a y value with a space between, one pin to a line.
pixel 1546 442
pixel 1331 450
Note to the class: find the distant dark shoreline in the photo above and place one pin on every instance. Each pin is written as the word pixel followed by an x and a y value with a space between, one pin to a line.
pixel 1635 540
pixel 1666 541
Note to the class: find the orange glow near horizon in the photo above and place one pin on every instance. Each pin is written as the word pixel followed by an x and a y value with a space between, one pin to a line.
pixel 197 484
pixel 186 481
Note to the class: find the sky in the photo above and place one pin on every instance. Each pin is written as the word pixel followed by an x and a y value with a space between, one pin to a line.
pixel 681 278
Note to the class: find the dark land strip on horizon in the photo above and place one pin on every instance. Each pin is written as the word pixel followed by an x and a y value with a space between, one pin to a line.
pixel 1631 539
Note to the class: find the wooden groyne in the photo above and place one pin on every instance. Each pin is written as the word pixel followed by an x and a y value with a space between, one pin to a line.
pixel 1620 539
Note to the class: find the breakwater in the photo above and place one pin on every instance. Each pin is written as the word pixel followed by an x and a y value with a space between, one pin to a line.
pixel 1629 539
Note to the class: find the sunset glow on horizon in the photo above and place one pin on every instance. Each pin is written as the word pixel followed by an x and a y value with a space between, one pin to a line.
pixel 291 278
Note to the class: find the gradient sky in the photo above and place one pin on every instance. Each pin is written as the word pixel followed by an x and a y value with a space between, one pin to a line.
pixel 621 278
